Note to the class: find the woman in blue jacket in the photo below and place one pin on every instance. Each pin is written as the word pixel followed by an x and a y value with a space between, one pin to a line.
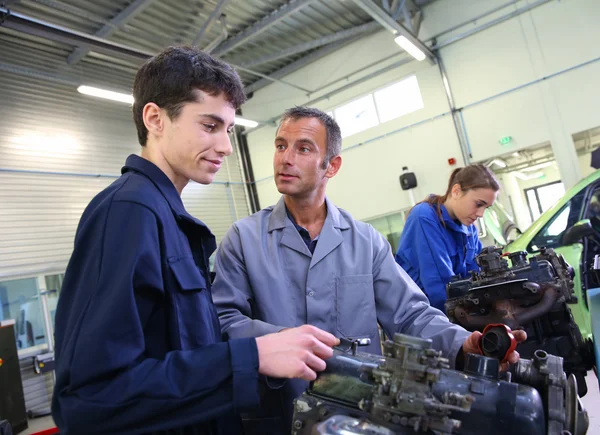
pixel 440 239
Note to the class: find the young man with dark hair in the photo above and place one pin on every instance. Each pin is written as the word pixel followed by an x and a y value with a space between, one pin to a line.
pixel 138 342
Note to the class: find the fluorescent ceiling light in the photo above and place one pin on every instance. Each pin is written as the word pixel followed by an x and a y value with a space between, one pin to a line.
pixel 499 163
pixel 516 154
pixel 109 95
pixel 410 48
pixel 245 122
pixel 128 98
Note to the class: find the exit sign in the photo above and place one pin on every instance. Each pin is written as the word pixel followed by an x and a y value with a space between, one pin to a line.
pixel 505 140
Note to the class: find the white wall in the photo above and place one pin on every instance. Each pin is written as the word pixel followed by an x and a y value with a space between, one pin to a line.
pixel 544 41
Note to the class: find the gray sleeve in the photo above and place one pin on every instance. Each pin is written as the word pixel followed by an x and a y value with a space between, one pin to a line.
pixel 232 292
pixel 403 307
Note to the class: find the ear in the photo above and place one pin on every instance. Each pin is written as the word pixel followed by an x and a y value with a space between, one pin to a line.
pixel 153 117
pixel 334 166
pixel 456 191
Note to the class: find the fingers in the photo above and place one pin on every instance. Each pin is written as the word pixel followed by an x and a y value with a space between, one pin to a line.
pixel 471 344
pixel 520 335
pixel 314 362
pixel 308 374
pixel 321 350
pixel 323 336
pixel 513 358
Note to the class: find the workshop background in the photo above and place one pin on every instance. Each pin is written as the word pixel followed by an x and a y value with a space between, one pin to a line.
pixel 511 84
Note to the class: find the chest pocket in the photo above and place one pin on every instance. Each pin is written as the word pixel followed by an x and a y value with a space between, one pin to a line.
pixel 355 306
pixel 197 321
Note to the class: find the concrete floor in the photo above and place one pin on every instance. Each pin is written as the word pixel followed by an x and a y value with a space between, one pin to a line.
pixel 591 402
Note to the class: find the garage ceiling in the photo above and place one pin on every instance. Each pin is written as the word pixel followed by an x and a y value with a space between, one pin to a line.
pixel 265 39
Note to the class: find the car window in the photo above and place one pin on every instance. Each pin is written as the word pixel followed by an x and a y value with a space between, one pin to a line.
pixel 549 236
pixel 593 205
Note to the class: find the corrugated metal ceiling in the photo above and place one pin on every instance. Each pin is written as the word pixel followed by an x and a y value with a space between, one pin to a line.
pixel 158 24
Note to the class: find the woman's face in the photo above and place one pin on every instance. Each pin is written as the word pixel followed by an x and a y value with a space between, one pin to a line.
pixel 470 205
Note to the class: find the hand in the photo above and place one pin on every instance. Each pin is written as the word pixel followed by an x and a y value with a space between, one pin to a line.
pixel 295 353
pixel 471 345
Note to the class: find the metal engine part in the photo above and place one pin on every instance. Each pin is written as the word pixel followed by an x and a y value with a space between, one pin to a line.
pixel 531 295
pixel 411 390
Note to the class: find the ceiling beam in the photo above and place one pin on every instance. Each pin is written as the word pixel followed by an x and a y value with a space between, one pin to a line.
pixel 301 48
pixel 393 26
pixel 53 32
pixel 260 26
pixel 300 63
pixel 270 78
pixel 216 13
pixel 125 15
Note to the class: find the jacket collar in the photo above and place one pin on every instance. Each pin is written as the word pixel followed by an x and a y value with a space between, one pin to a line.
pixel 163 183
pixel 278 218
pixel 329 238
pixel 451 224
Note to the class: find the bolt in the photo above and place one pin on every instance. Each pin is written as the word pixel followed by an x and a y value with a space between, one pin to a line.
pixel 298 425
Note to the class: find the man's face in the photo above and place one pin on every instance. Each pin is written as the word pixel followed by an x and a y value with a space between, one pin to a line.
pixel 196 142
pixel 300 148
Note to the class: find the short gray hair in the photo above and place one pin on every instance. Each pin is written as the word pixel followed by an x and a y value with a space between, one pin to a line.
pixel 334 134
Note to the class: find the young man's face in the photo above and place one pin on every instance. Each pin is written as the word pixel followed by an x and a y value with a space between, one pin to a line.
pixel 196 142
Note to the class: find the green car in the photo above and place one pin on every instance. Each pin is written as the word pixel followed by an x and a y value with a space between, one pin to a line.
pixel 569 228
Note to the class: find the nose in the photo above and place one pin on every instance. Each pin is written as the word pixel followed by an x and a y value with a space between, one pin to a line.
pixel 288 156
pixel 480 212
pixel 224 146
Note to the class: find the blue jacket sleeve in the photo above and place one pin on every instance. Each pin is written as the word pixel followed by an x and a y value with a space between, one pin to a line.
pixel 106 383
pixel 473 253
pixel 430 258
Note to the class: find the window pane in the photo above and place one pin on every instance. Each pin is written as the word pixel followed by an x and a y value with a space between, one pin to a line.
pixel 549 236
pixel 390 227
pixel 399 99
pixel 356 116
pixel 559 224
pixel 550 195
pixel 20 300
pixel 53 286
pixel 533 204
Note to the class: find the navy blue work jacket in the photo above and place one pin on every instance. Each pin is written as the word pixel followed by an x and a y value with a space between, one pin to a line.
pixel 138 341
pixel 432 252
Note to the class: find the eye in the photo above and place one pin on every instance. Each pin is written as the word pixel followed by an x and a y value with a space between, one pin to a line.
pixel 280 147
pixel 305 149
pixel 210 127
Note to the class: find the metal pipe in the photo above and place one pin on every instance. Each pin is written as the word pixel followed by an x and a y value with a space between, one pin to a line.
pixel 264 76
pixel 300 63
pixel 22 23
pixel 262 25
pixel 210 21
pixel 457 126
pixel 125 15
pixel 393 26
pixel 222 36
pixel 343 34
pixel 492 23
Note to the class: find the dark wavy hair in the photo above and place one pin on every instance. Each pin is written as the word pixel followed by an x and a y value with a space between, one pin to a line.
pixel 171 78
